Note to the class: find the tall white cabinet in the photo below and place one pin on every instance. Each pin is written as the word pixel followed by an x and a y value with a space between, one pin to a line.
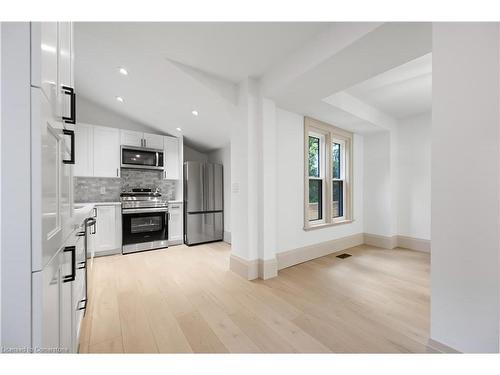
pixel 52 159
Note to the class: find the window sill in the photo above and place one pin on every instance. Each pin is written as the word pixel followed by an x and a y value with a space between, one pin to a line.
pixel 326 225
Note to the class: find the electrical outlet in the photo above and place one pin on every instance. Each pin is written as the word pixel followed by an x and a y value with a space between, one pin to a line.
pixel 103 189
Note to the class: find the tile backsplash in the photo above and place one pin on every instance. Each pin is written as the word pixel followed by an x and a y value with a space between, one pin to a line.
pixel 88 189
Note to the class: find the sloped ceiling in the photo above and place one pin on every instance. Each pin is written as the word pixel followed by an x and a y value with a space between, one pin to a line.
pixel 175 68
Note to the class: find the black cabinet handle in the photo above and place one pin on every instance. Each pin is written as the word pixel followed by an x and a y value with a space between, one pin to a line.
pixel 71 277
pixel 72 116
pixel 71 133
pixel 81 234
pixel 84 301
pixel 82 265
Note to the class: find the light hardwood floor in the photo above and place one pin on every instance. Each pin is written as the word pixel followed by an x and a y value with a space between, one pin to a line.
pixel 185 299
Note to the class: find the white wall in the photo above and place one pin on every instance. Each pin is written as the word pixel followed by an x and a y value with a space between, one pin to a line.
pixel 465 186
pixel 16 183
pixel 290 197
pixel 93 113
pixel 223 156
pixel 377 198
pixel 414 176
pixel 190 154
pixel 0 185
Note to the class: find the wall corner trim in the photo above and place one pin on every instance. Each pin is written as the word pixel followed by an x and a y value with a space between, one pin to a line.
pixel 253 269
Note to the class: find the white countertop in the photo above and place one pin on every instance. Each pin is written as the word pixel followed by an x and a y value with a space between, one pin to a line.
pixel 83 210
pixel 100 203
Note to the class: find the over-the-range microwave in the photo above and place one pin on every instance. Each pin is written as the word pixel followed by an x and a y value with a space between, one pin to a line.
pixel 141 158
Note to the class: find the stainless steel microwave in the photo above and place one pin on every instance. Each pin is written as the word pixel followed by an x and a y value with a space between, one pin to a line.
pixel 141 158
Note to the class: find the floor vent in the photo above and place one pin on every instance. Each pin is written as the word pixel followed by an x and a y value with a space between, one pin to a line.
pixel 345 255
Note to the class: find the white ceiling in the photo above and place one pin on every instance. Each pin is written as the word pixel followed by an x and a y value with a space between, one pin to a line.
pixel 162 88
pixel 175 68
pixel 400 92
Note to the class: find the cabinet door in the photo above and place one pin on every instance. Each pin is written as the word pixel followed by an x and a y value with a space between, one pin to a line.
pixel 84 151
pixel 44 56
pixel 65 72
pixel 66 303
pixel 47 154
pixel 131 138
pixel 175 224
pixel 153 141
pixel 106 152
pixel 47 321
pixel 106 236
pixel 171 158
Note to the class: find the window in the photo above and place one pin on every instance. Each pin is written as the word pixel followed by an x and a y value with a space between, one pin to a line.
pixel 328 169
pixel 316 177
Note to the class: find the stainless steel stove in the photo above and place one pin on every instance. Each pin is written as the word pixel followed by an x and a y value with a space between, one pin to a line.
pixel 144 220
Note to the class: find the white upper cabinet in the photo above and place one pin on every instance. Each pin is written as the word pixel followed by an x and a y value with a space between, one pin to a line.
pixel 84 151
pixel 140 139
pixel 65 69
pixel 153 141
pixel 131 138
pixel 51 66
pixel 44 54
pixel 106 152
pixel 171 158
pixel 97 151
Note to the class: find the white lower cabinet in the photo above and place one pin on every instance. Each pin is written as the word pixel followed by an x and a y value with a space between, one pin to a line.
pixel 54 324
pixel 175 223
pixel 78 293
pixel 107 238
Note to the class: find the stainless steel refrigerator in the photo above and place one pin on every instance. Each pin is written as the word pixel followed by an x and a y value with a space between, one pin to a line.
pixel 203 202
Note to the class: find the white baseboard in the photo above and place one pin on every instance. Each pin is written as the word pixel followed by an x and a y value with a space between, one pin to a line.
pixel 417 244
pixel 303 254
pixel 227 237
pixel 253 269
pixel 108 252
pixel 440 347
pixel 248 269
pixel 385 242
pixel 266 269
pixel 390 242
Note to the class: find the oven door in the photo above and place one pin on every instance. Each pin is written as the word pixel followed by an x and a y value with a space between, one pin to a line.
pixel 141 158
pixel 144 226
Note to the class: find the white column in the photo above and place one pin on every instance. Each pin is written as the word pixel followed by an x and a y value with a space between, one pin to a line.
pixel 268 266
pixel 245 183
pixel 465 186
pixel 253 185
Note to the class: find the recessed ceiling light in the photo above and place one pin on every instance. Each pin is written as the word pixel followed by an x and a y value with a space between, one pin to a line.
pixel 120 99
pixel 123 71
pixel 194 112
pixel 178 129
